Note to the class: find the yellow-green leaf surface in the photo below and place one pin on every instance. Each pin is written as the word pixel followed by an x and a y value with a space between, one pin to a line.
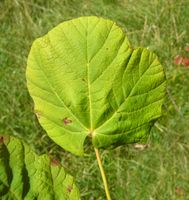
pixel 27 176
pixel 86 80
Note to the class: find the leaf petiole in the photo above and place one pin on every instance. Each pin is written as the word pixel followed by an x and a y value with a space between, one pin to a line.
pixel 106 187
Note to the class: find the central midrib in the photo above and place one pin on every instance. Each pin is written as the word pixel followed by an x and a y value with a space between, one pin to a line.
pixel 88 82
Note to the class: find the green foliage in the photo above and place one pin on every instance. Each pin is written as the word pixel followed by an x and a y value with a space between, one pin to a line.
pixel 157 172
pixel 27 176
pixel 86 80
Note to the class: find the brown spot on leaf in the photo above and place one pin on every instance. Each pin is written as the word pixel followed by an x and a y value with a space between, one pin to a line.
pixel 55 162
pixel 84 80
pixel 67 121
pixel 69 188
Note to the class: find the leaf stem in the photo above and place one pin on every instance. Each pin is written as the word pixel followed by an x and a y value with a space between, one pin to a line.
pixel 103 174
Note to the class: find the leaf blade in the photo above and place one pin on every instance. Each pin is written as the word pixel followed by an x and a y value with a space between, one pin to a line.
pixel 97 75
pixel 30 176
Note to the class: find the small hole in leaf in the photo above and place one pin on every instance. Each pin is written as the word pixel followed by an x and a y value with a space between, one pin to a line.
pixel 67 121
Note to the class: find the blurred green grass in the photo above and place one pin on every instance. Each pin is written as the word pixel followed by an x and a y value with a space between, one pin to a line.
pixel 159 172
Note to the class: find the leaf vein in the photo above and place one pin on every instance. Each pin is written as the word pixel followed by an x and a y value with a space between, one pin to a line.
pixel 58 97
pixel 112 116
pixel 117 53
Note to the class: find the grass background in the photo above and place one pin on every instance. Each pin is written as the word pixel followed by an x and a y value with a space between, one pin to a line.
pixel 159 172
